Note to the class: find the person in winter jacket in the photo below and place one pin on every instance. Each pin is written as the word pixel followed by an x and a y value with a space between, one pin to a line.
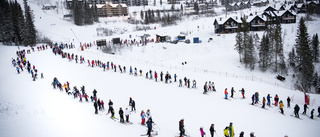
pixel 181 128
pixel 95 107
pixel 149 125
pixel 205 88
pixel 202 132
pixel 232 91
pixel 156 76
pixel 212 130
pixel 263 102
pixel 231 130
pixel 268 100
pixel 225 94
pixel 288 102
pixel 312 111
pixel 180 83
pixel 256 95
pixel 133 106
pixel 194 84
pixel 226 132
pixel 276 99
pixel 94 93
pixel 241 134
pixel 143 117
pixel 99 104
pixel 305 107
pixel 296 110
pixel 121 115
pixel 127 113
pixel 281 106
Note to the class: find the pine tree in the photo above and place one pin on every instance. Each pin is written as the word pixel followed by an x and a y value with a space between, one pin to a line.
pixel 196 7
pixel 6 23
pixel 161 2
pixel 239 42
pixel 315 48
pixel 146 18
pixel 305 68
pixel 279 63
pixel 250 51
pixel 77 13
pixel 292 58
pixel 95 13
pixel 88 17
pixel 264 53
pixel 141 14
pixel 30 33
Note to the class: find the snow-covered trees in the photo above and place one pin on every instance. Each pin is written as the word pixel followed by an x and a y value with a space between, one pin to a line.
pixel 304 68
pixel 16 27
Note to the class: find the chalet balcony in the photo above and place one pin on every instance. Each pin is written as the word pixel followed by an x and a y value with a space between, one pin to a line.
pixel 257 24
pixel 288 18
pixel 231 27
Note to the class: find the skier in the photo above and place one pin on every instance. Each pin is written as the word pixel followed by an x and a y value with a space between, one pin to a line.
pixel 121 115
pixel 130 101
pixel 127 113
pixel 80 98
pixel 181 128
pixel 95 107
pixel 99 103
pixel 263 102
pixel 252 98
pixel 180 83
pixel 276 99
pixel 256 95
pixel 312 111
pixel 296 110
pixel 155 75
pixel 232 91
pixel 231 130
pixel 225 94
pixel 18 70
pixel 241 134
pixel 188 81
pixel 268 100
pixel 205 88
pixel 150 74
pixel 143 116
pixel 133 106
pixel 161 76
pixel 209 86
pixel 225 132
pixel 281 106
pixel 288 101
pixel 212 130
pixel 86 97
pixel 305 107
pixel 175 77
pixel 252 134
pixel 194 84
pixel 140 72
pixel 213 87
pixel 149 125
pixel 185 81
pixel 94 93
pixel 202 132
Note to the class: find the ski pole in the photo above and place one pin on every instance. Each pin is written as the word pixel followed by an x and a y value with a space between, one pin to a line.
pixel 156 125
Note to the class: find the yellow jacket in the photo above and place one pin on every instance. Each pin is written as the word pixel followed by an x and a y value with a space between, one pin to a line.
pixel 281 105
pixel 226 132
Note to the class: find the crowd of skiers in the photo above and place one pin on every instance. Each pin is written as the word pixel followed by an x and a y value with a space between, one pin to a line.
pixel 98 104
pixel 21 63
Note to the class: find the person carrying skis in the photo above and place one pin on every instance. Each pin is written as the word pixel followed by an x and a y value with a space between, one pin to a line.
pixel 202 132
pixel 212 130
pixel 312 111
pixel 296 110
pixel 288 101
pixel 276 99
pixel 232 91
pixel 121 115
pixel 143 116
pixel 305 107
pixel 225 94
pixel 281 106
pixel 95 107
pixel 231 130
pixel 181 128
pixel 226 132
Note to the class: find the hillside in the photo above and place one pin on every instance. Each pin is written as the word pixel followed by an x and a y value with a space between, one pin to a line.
pixel 34 108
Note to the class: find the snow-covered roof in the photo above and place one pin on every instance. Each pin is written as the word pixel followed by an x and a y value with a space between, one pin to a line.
pixel 280 13
pixel 250 18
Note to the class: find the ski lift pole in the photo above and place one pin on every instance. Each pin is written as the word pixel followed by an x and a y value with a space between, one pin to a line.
pixel 75 35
